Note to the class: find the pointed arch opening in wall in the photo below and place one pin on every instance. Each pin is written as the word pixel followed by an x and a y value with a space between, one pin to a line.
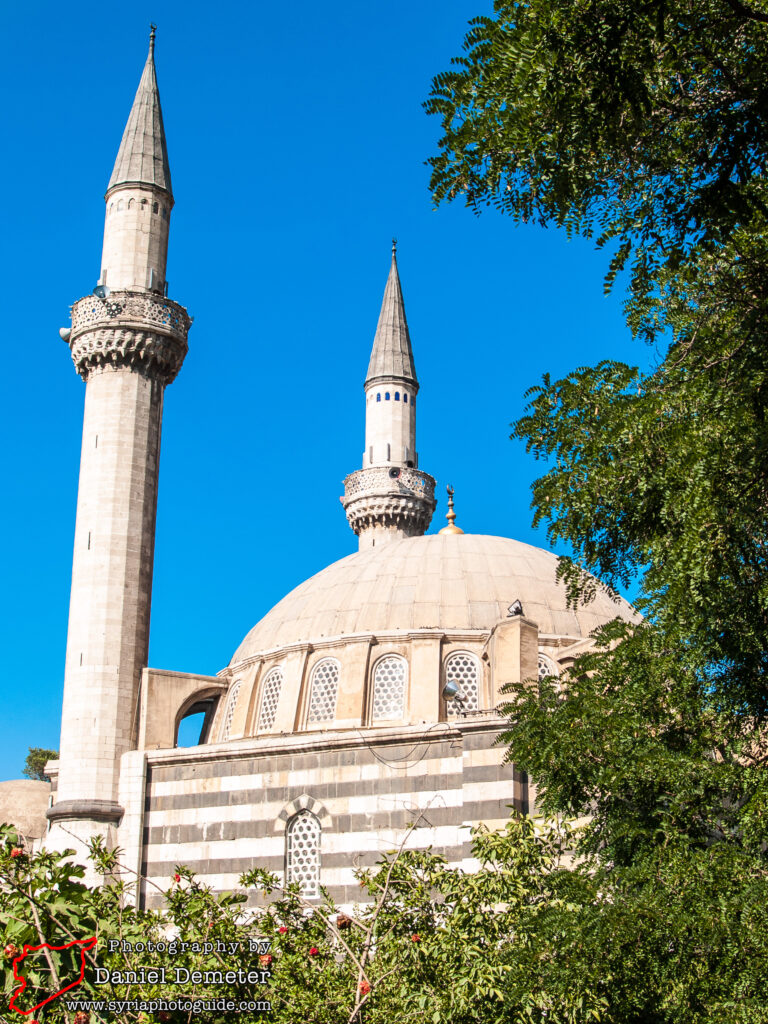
pixel 323 691
pixel 194 720
pixel 390 681
pixel 463 669
pixel 302 853
pixel 226 725
pixel 270 697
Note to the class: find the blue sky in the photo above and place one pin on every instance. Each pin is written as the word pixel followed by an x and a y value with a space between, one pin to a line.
pixel 297 142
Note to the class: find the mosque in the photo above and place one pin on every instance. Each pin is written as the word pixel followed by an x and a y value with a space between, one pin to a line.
pixel 363 705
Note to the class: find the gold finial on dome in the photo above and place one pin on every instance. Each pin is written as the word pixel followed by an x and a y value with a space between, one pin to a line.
pixel 450 515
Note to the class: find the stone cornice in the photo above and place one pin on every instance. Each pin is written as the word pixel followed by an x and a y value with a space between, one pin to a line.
pixel 383 637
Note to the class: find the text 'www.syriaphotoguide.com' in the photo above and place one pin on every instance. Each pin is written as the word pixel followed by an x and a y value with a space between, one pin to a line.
pixel 194 1006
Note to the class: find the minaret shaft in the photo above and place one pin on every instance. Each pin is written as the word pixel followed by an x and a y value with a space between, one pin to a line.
pixel 390 425
pixel 108 635
pixel 127 346
pixel 136 230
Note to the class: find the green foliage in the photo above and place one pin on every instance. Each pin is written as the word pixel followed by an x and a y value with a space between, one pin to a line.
pixel 37 758
pixel 430 943
pixel 643 125
pixel 638 122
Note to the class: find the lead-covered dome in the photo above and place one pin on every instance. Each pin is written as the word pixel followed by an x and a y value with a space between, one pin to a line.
pixel 454 582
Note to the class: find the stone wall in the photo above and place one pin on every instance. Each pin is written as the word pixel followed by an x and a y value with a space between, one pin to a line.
pixel 222 810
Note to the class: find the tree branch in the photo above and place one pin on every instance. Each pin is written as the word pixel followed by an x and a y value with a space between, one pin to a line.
pixel 746 12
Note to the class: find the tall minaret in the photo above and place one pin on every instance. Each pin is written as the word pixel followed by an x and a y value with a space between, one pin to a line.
pixel 128 342
pixel 389 497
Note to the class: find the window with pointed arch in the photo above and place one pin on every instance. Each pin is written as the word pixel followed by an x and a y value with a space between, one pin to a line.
pixel 323 691
pixel 302 853
pixel 270 696
pixel 463 669
pixel 226 725
pixel 390 678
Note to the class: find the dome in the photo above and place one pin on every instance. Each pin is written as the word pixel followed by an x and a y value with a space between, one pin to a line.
pixel 442 581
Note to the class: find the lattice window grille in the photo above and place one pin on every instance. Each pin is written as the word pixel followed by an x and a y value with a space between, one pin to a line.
pixel 323 693
pixel 389 680
pixel 464 670
pixel 231 703
pixel 269 698
pixel 302 855
pixel 547 667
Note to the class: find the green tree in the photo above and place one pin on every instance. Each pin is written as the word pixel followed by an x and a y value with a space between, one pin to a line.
pixel 37 758
pixel 643 125
pixel 429 943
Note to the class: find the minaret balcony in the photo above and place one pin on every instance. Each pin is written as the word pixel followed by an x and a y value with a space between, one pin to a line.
pixel 129 330
pixel 131 309
pixel 389 480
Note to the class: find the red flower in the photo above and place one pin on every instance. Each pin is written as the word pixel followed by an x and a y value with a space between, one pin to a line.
pixel 16 851
pixel 314 951
pixel 365 988
pixel 81 1017
pixel 282 929
pixel 177 878
pixel 265 959
pixel 415 937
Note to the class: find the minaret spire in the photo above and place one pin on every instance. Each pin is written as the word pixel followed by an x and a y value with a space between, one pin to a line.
pixel 389 497
pixel 392 355
pixel 143 154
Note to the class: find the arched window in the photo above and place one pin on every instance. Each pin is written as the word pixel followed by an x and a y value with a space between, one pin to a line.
pixel 227 723
pixel 378 396
pixel 389 679
pixel 405 398
pixel 302 853
pixel 547 667
pixel 323 691
pixel 270 695
pixel 397 396
pixel 463 669
pixel 386 396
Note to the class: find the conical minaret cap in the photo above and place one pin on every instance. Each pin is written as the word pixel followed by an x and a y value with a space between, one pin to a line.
pixel 143 155
pixel 392 355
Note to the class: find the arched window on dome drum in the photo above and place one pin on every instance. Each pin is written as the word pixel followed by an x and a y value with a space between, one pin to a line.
pixel 270 695
pixel 389 680
pixel 227 723
pixel 463 669
pixel 302 853
pixel 323 691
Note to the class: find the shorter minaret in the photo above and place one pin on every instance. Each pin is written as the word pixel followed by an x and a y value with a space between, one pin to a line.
pixel 389 497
